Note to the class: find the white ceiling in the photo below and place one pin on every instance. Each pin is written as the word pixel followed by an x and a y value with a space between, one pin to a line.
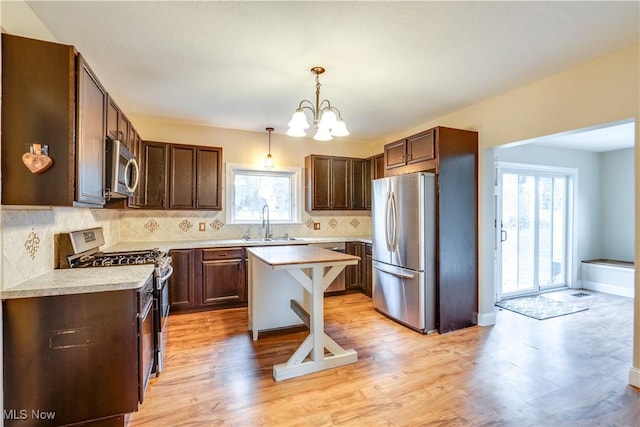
pixel 391 66
pixel 608 138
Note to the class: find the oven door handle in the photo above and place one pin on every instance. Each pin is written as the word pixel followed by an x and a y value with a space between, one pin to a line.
pixel 166 275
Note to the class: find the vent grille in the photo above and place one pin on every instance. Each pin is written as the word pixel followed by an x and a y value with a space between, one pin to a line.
pixel 580 295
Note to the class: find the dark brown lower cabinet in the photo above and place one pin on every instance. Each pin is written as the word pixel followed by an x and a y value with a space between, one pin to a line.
pixel 353 274
pixel 359 276
pixel 224 282
pixel 71 368
pixel 367 269
pixel 207 279
pixel 181 283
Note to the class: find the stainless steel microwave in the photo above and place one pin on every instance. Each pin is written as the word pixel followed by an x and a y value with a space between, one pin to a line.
pixel 122 171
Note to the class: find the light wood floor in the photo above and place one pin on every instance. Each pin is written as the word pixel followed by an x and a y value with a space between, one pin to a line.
pixel 566 371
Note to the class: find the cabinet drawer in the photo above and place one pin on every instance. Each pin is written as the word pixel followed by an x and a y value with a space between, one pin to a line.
pixel 214 254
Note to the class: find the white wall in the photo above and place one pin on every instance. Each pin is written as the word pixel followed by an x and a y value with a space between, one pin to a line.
pixel 617 204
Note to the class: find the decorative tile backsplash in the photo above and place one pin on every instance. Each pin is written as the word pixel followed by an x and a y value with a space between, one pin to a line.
pixel 140 226
pixel 29 246
pixel 32 244
pixel 28 243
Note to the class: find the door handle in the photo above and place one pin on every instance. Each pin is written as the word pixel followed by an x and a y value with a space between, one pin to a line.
pixel 395 273
pixel 503 235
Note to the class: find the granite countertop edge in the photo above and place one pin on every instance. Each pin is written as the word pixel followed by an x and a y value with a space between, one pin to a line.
pixel 80 281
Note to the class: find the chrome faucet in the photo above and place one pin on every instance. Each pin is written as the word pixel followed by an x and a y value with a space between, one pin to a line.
pixel 267 232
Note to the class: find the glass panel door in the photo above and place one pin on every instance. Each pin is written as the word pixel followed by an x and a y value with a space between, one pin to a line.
pixel 533 231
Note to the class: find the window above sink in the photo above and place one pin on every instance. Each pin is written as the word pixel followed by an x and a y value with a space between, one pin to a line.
pixel 249 189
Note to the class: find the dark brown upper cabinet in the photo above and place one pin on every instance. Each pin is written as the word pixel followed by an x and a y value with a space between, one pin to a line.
pixel 360 184
pixel 377 169
pixel 177 176
pixel 327 182
pixel 154 184
pixel 50 96
pixel 208 178
pixel 182 177
pixel 338 183
pixel 413 154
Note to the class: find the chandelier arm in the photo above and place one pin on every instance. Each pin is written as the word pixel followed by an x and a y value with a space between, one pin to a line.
pixel 335 109
pixel 302 105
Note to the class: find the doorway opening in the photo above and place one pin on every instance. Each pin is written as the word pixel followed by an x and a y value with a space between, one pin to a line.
pixel 534 223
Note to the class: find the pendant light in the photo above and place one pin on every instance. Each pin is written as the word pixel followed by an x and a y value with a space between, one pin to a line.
pixel 268 160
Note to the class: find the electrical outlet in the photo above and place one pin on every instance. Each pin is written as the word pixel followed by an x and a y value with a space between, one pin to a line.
pixel 316 226
pixel 202 226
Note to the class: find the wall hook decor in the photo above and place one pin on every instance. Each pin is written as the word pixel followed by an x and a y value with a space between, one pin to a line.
pixel 37 159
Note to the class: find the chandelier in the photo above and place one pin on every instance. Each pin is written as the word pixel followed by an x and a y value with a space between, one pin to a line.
pixel 327 119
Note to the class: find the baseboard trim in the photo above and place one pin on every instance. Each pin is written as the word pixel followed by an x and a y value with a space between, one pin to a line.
pixel 487 319
pixel 634 377
pixel 607 288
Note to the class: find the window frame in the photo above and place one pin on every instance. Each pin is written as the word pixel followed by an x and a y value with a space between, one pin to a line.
pixel 294 174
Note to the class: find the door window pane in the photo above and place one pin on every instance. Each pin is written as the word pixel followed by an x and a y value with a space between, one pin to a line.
pixel 533 231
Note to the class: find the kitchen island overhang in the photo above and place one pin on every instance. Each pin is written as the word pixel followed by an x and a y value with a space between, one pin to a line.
pixel 286 288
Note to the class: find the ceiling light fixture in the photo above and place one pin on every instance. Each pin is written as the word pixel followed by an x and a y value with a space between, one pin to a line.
pixel 268 160
pixel 327 119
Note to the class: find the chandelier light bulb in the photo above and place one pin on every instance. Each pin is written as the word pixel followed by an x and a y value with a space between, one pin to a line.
pixel 299 121
pixel 339 129
pixel 322 135
pixel 328 120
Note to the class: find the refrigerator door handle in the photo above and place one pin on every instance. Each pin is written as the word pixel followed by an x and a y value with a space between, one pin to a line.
pixel 387 221
pixel 394 216
pixel 395 273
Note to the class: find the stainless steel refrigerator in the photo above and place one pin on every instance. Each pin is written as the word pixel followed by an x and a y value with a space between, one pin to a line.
pixel 404 249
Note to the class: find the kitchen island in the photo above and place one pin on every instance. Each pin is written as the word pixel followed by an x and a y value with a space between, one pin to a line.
pixel 286 288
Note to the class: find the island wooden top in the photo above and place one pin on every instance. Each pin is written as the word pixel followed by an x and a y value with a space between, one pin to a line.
pixel 298 256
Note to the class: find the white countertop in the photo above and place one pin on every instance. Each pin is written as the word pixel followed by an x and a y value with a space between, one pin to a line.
pixel 81 280
pixel 278 256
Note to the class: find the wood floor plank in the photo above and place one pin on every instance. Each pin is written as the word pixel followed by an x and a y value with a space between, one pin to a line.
pixel 566 371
